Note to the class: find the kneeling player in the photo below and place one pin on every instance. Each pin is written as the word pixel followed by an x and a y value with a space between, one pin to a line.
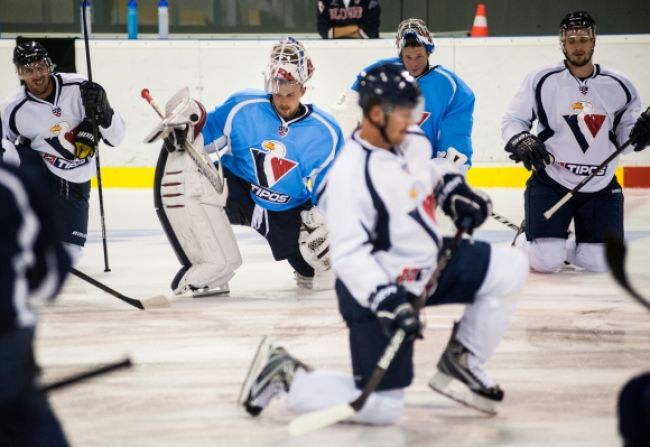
pixel 383 251
pixel 274 153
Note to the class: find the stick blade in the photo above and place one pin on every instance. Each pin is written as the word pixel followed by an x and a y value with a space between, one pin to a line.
pixel 320 419
pixel 615 252
pixel 155 302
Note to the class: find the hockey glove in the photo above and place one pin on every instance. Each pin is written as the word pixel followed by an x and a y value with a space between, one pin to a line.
pixel 528 149
pixel 84 140
pixel 95 101
pixel 313 241
pixel 466 207
pixel 176 138
pixel 394 312
pixel 640 135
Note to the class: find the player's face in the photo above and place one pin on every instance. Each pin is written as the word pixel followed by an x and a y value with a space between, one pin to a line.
pixel 400 118
pixel 579 46
pixel 415 60
pixel 287 99
pixel 36 77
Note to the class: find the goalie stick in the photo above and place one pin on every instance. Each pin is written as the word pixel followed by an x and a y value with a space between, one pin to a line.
pixel 615 252
pixel 85 375
pixel 323 418
pixel 154 302
pixel 552 210
pixel 214 177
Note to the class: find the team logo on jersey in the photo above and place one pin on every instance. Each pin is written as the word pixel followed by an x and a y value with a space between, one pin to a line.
pixel 63 141
pixel 583 170
pixel 56 111
pixel 425 214
pixel 584 123
pixel 270 163
pixel 283 131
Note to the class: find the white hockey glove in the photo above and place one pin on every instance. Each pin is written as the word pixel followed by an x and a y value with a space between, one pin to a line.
pixel 184 120
pixel 456 157
pixel 312 241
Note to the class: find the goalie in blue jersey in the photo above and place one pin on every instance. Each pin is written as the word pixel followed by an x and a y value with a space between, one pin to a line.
pixel 274 153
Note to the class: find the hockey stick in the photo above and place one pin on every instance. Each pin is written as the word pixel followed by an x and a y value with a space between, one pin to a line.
pixel 95 135
pixel 214 177
pixel 510 224
pixel 80 377
pixel 552 210
pixel 323 418
pixel 615 251
pixel 154 302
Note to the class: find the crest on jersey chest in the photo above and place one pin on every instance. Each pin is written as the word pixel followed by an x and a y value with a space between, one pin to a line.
pixel 56 111
pixel 585 123
pixel 271 164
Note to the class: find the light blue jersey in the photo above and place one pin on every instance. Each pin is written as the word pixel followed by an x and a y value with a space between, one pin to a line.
pixel 284 161
pixel 448 108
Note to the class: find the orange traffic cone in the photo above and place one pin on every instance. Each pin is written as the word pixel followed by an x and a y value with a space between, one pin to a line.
pixel 480 28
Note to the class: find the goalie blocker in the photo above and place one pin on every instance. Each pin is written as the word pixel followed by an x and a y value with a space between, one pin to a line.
pixel 189 208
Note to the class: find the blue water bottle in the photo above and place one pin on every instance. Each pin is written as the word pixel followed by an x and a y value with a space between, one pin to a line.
pixel 132 19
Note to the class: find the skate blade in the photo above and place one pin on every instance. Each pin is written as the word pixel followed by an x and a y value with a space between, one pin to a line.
pixel 258 362
pixel 459 392
pixel 210 293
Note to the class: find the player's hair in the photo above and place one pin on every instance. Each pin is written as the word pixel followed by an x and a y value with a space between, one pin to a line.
pixel 288 63
pixel 388 85
pixel 414 33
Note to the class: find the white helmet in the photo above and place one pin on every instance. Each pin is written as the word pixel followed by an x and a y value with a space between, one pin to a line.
pixel 414 29
pixel 289 63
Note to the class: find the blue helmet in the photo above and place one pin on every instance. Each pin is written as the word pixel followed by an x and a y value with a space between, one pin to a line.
pixel 388 85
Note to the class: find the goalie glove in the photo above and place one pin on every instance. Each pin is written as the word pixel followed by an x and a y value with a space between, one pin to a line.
pixel 466 207
pixel 313 241
pixel 393 310
pixel 529 150
pixel 84 139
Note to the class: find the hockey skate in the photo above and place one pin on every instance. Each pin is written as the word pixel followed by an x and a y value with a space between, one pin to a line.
pixel 323 280
pixel 269 376
pixel 460 377
pixel 207 292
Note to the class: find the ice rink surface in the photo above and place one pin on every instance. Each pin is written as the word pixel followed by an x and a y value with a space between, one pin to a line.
pixel 575 339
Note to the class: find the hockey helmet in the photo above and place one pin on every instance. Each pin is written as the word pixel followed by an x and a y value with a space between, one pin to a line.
pixel 577 20
pixel 412 32
pixel 289 63
pixel 388 85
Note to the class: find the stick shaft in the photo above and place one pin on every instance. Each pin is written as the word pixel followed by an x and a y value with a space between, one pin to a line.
pixel 80 377
pixel 95 132
pixel 133 302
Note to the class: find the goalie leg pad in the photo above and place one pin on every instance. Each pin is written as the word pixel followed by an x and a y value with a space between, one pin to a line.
pixel 192 214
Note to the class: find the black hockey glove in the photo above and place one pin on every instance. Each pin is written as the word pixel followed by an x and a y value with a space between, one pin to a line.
pixel 528 149
pixel 175 139
pixel 84 140
pixel 466 207
pixel 395 312
pixel 640 135
pixel 95 101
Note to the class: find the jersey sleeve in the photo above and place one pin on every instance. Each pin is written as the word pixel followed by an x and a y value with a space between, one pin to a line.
pixel 324 24
pixel 370 22
pixel 457 122
pixel 214 130
pixel 521 111
pixel 628 115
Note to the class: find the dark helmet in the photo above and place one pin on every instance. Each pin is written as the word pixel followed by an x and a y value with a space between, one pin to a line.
pixel 388 85
pixel 30 51
pixel 577 19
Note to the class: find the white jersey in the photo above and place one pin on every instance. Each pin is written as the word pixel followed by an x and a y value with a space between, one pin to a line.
pixel 45 127
pixel 580 121
pixel 381 214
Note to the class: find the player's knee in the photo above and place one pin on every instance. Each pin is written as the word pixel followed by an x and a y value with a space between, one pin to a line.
pixel 382 408
pixel 507 272
pixel 590 257
pixel 547 255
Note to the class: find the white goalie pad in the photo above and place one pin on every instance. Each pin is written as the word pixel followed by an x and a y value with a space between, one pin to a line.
pixel 195 216
pixel 313 240
pixel 347 112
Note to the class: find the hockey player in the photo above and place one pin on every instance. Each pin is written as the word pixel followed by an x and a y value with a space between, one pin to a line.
pixel 275 151
pixel 33 264
pixel 380 207
pixel 584 111
pixel 448 102
pixel 349 19
pixel 51 122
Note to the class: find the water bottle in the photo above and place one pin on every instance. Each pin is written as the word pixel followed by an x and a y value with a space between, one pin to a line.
pixel 163 19
pixel 85 7
pixel 132 19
